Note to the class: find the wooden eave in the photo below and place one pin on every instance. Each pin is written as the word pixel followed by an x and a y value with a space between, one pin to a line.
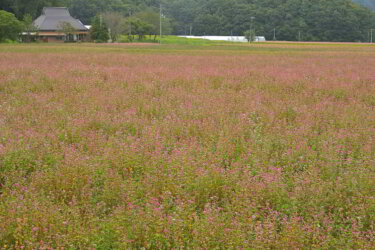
pixel 59 33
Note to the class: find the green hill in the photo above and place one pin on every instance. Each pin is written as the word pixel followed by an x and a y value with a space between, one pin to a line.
pixel 291 20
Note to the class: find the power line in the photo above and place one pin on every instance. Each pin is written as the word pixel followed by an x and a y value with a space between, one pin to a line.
pixel 130 25
pixel 160 26
pixel 251 28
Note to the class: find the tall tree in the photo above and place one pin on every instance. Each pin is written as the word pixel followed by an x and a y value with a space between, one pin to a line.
pixel 68 30
pixel 115 22
pixel 99 30
pixel 29 27
pixel 10 26
pixel 152 17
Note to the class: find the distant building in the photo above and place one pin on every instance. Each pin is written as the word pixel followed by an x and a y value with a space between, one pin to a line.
pixel 50 26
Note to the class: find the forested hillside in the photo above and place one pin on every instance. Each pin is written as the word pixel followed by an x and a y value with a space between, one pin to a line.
pixel 306 20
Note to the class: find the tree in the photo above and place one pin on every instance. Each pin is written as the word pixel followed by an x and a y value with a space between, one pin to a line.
pixel 206 24
pixel 68 30
pixel 138 27
pixel 99 30
pixel 183 13
pixel 115 22
pixel 10 26
pixel 153 19
pixel 29 28
pixel 249 35
pixel 85 10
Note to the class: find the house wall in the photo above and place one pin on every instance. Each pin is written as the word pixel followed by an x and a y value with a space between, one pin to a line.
pixel 53 39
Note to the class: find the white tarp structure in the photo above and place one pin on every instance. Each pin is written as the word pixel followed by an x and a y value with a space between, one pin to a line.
pixel 240 39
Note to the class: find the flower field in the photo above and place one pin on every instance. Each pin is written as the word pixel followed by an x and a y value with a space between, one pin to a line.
pixel 263 146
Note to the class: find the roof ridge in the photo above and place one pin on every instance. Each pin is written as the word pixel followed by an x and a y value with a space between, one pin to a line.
pixel 52 17
pixel 56 11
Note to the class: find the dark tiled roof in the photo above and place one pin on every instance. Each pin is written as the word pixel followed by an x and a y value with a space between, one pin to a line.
pixel 52 18
pixel 56 11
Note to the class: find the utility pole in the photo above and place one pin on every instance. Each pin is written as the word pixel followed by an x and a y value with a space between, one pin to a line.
pixel 299 35
pixel 160 26
pixel 191 27
pixel 274 34
pixel 368 36
pixel 251 28
pixel 130 25
pixel 371 36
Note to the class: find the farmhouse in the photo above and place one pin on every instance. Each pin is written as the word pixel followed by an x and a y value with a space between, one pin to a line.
pixel 57 25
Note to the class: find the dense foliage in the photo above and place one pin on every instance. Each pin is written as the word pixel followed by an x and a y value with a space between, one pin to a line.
pixel 10 27
pixel 314 20
pixel 99 30
pixel 335 20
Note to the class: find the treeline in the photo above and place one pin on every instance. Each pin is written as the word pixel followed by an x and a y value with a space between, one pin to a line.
pixel 305 20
